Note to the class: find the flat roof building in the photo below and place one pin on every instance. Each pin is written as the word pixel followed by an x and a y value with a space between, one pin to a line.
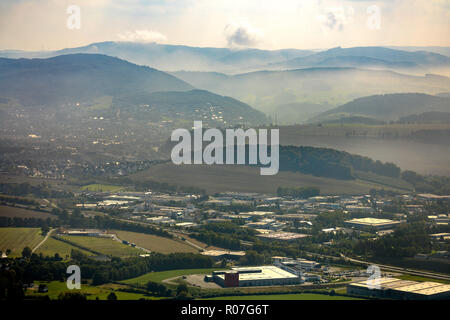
pixel 283 236
pixel 393 288
pixel 221 254
pixel 255 276
pixel 378 224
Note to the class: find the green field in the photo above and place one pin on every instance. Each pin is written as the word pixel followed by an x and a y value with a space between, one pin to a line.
pixel 154 243
pixel 104 246
pixel 386 181
pixel 162 275
pixel 52 246
pixel 16 239
pixel 220 178
pixel 297 296
pixel 57 287
pixel 101 188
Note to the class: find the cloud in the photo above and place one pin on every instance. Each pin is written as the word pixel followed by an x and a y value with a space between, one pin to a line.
pixel 242 34
pixel 336 18
pixel 142 36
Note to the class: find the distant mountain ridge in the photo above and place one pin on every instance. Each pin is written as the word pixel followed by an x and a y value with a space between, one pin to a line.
pixel 182 57
pixel 366 57
pixel 175 57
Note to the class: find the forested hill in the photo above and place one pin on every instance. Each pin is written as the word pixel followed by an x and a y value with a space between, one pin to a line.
pixel 335 164
pixel 388 107
pixel 79 77
pixel 332 163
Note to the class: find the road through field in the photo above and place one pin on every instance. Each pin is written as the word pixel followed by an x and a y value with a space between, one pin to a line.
pixel 45 239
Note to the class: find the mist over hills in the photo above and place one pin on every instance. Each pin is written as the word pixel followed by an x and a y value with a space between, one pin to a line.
pixel 321 88
pixel 388 107
pixel 427 117
pixel 369 57
pixel 135 92
pixel 230 60
pixel 435 49
pixel 176 57
pixel 288 85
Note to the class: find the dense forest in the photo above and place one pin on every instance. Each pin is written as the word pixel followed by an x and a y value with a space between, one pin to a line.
pixel 331 163
pixel 298 192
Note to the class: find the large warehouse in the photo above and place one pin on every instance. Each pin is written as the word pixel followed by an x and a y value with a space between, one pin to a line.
pixel 254 276
pixel 392 288
pixel 378 224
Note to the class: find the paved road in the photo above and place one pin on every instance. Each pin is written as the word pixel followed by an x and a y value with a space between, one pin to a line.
pixel 114 237
pixel 402 270
pixel 45 239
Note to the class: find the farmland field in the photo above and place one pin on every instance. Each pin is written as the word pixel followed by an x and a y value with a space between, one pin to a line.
pixel 52 246
pixel 162 275
pixel 11 212
pixel 16 239
pixel 220 178
pixel 298 296
pixel 154 243
pixel 104 246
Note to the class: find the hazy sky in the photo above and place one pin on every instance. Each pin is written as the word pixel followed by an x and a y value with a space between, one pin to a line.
pixel 266 24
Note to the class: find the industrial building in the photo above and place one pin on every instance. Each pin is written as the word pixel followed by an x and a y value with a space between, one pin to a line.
pixel 222 254
pixel 297 264
pixel 378 224
pixel 255 276
pixel 281 235
pixel 393 288
pixel 84 232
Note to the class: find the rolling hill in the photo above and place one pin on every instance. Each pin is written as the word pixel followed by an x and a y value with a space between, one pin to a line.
pixel 388 107
pixel 79 77
pixel 212 109
pixel 427 117
pixel 270 91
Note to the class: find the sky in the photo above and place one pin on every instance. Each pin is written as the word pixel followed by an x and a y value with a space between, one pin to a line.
pixel 266 24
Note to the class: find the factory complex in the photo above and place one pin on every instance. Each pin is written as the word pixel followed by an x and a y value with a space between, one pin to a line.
pixel 254 276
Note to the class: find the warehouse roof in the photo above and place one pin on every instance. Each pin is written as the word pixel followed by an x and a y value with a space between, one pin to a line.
pixel 372 221
pixel 266 272
pixel 422 288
